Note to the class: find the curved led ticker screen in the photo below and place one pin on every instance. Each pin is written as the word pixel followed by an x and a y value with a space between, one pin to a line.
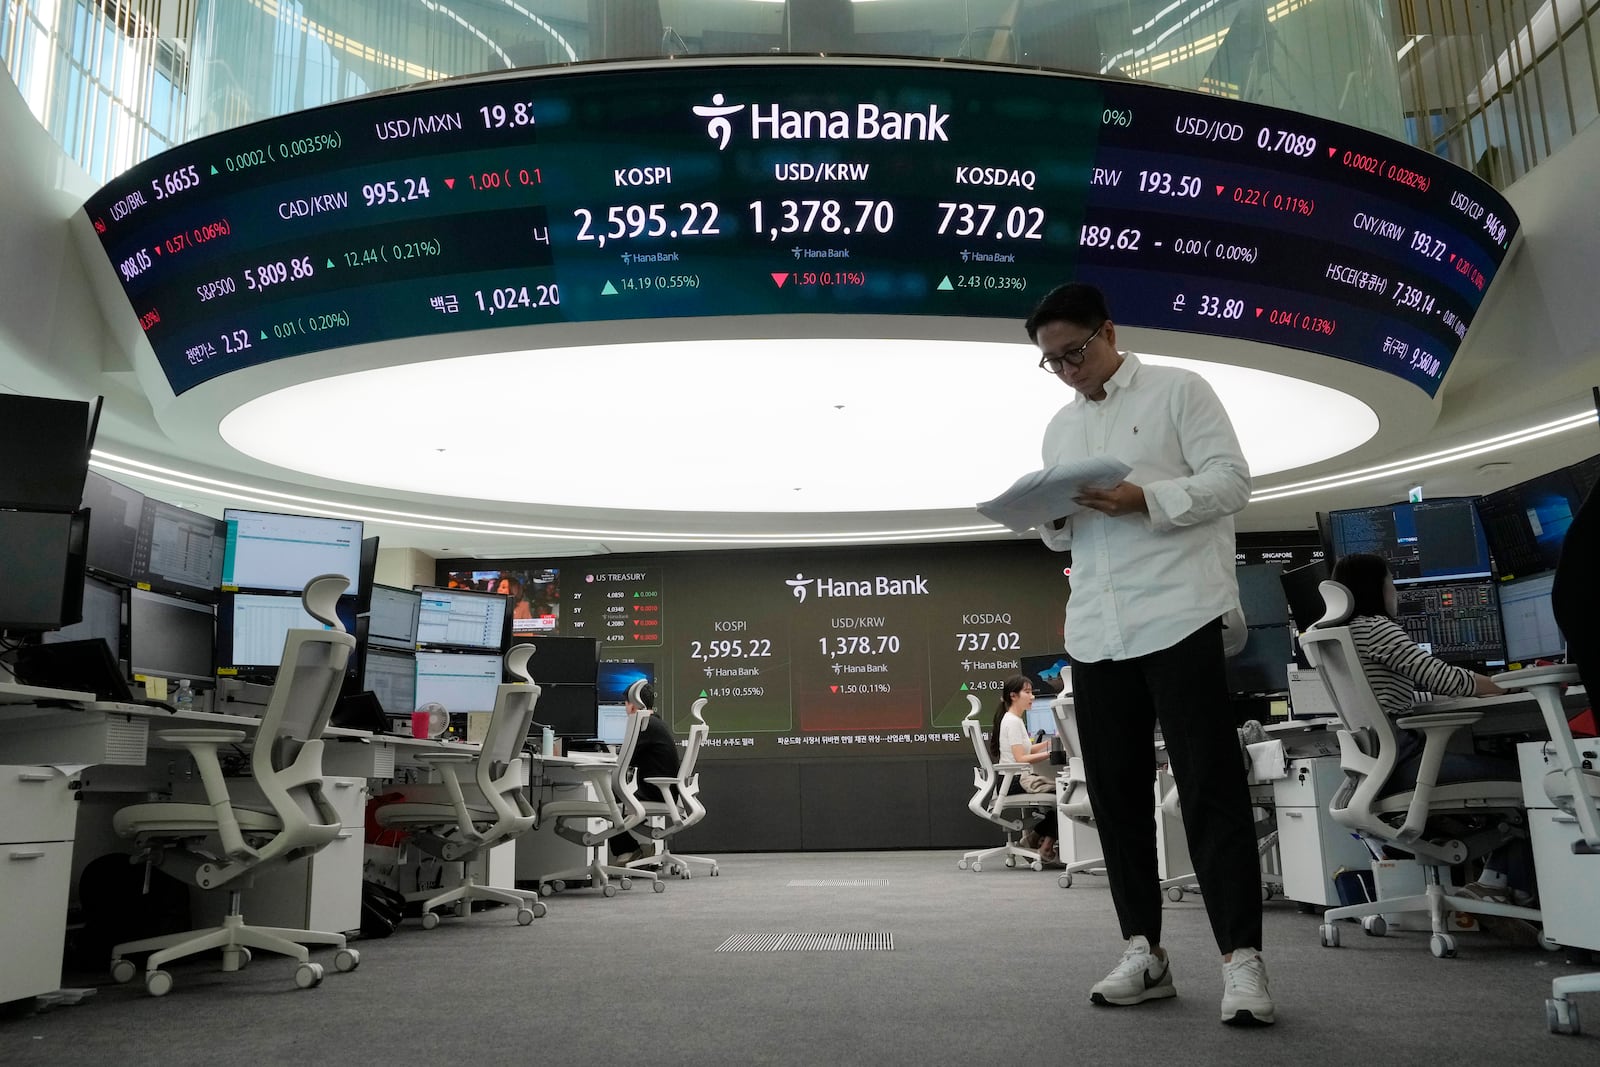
pixel 796 187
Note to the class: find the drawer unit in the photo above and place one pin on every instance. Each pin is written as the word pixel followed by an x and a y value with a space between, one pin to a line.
pixel 38 814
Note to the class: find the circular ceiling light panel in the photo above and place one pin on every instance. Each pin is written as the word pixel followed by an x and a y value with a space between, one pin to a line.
pixel 789 425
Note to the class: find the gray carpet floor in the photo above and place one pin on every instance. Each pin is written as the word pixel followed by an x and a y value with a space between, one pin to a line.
pixel 986 967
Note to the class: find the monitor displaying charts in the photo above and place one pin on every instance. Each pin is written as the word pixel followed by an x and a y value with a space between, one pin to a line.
pixel 455 618
pixel 392 621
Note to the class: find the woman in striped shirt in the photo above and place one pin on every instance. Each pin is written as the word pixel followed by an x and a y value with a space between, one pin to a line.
pixel 1397 670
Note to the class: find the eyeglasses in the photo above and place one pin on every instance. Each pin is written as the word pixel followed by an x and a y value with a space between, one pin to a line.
pixel 1072 357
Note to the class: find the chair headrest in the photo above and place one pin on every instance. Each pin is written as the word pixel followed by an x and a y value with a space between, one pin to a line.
pixel 1337 605
pixel 634 690
pixel 517 658
pixel 976 706
pixel 321 598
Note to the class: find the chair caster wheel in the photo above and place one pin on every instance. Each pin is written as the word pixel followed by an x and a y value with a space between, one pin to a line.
pixel 540 910
pixel 1561 1016
pixel 1266 893
pixel 157 983
pixel 627 883
pixel 123 971
pixel 977 866
pixel 608 890
pixel 1011 861
pixel 1037 865
pixel 236 958
pixel 658 886
pixel 961 865
pixel 346 960
pixel 524 916
pixel 1065 880
pixel 1374 926
pixel 557 886
pixel 308 975
pixel 1547 943
pixel 1443 946
pixel 430 919
pixel 715 871
pixel 1330 935
pixel 1175 894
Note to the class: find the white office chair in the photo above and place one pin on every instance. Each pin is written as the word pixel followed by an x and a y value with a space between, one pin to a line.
pixel 678 809
pixel 1575 790
pixel 1368 751
pixel 1072 792
pixel 221 843
pixel 1013 812
pixel 462 821
pixel 617 805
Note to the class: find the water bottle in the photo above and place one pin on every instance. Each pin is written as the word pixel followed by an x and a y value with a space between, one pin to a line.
pixel 547 742
pixel 185 698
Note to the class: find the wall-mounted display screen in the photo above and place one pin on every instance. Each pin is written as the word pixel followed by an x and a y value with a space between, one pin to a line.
pixel 824 652
pixel 722 187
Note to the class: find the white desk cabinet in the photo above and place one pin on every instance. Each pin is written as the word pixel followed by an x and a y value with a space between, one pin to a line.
pixel 37 817
pixel 1569 885
pixel 1311 846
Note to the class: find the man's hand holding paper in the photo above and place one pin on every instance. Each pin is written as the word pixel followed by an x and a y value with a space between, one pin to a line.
pixel 1041 497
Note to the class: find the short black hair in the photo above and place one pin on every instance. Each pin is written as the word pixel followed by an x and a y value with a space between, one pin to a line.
pixel 1363 573
pixel 1075 302
pixel 647 696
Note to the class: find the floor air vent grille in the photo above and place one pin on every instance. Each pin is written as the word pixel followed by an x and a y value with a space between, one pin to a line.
pixel 847 942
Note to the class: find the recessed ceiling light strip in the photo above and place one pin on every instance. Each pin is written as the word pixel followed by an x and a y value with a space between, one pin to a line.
pixel 1493 444
pixel 249 494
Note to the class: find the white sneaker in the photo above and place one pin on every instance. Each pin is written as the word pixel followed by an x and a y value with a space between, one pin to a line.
pixel 1245 998
pixel 1141 976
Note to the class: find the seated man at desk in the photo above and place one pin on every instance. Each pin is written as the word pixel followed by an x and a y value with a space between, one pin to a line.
pixel 1396 668
pixel 655 755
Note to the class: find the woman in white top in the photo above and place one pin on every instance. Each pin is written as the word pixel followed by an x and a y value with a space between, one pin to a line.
pixel 1397 668
pixel 1009 743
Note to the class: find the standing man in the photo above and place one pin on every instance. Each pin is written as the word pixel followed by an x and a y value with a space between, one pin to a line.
pixel 1152 576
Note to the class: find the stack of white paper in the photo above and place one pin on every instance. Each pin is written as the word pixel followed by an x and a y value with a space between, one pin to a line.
pixel 1046 495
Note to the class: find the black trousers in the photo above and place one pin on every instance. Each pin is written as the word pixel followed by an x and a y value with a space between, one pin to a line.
pixel 1118 704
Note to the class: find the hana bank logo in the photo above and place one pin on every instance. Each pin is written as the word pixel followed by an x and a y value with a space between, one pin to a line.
pixel 720 129
pixel 797 585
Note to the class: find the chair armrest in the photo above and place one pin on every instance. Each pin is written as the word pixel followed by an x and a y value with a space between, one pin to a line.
pixel 1452 719
pixel 659 782
pixel 202 737
pixel 444 757
pixel 1007 767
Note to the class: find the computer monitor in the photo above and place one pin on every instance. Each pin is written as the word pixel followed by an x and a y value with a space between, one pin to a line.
pixel 179 551
pixel 43 586
pixel 392 678
pixel 115 511
pixel 1261 594
pixel 268 550
pixel 54 437
pixel 102 617
pixel 1262 666
pixel 615 678
pixel 534 594
pixel 369 568
pixel 456 618
pixel 1302 592
pixel 1529 622
pixel 1459 623
pixel 1526 524
pixel 571 711
pixel 1429 541
pixel 169 637
pixel 1041 715
pixel 252 627
pixel 565 660
pixel 461 681
pixel 392 618
pixel 1050 674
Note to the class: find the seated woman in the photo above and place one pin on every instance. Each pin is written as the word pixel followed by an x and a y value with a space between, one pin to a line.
pixel 1396 668
pixel 1009 743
